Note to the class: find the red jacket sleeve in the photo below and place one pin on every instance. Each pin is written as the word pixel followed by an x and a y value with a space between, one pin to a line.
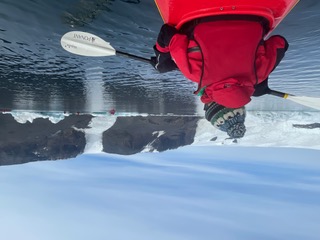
pixel 269 55
pixel 189 63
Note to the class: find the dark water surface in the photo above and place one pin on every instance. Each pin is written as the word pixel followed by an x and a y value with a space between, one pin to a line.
pixel 37 74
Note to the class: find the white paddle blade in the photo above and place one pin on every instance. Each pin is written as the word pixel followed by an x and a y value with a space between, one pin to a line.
pixel 311 102
pixel 86 44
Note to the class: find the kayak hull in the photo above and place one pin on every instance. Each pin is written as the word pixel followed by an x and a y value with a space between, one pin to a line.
pixel 178 12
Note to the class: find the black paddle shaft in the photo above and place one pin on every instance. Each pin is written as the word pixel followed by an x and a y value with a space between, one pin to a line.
pixel 278 94
pixel 131 56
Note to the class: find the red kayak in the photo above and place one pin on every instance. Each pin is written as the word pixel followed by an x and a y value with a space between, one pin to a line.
pixel 178 12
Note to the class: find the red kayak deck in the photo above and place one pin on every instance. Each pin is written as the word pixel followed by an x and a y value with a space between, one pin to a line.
pixel 178 12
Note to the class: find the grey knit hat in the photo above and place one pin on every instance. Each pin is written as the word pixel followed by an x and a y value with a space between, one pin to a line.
pixel 230 120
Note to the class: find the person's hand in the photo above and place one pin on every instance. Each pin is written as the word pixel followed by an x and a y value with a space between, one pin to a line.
pixel 162 61
pixel 165 35
pixel 261 89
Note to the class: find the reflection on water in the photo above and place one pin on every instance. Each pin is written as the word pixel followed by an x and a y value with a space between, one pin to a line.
pixel 36 74
pixel 82 13
pixel 94 86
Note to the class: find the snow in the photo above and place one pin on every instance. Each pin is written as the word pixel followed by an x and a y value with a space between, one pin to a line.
pixel 195 192
pixel 265 186
pixel 93 134
pixel 268 129
pixel 29 116
pixel 264 129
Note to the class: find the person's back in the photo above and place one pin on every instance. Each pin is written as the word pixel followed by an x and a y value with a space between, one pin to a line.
pixel 226 56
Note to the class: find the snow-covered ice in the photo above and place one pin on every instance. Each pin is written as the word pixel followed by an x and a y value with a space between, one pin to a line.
pixel 266 186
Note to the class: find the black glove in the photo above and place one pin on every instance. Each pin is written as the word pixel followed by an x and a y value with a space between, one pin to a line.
pixel 163 61
pixel 165 35
pixel 261 89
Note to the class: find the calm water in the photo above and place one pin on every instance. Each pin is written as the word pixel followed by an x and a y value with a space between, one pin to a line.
pixel 37 74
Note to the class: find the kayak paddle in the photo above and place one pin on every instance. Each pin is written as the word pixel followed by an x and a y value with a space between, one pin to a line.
pixel 311 102
pixel 87 44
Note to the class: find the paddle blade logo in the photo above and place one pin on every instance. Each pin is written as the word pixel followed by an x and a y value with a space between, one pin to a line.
pixel 84 38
